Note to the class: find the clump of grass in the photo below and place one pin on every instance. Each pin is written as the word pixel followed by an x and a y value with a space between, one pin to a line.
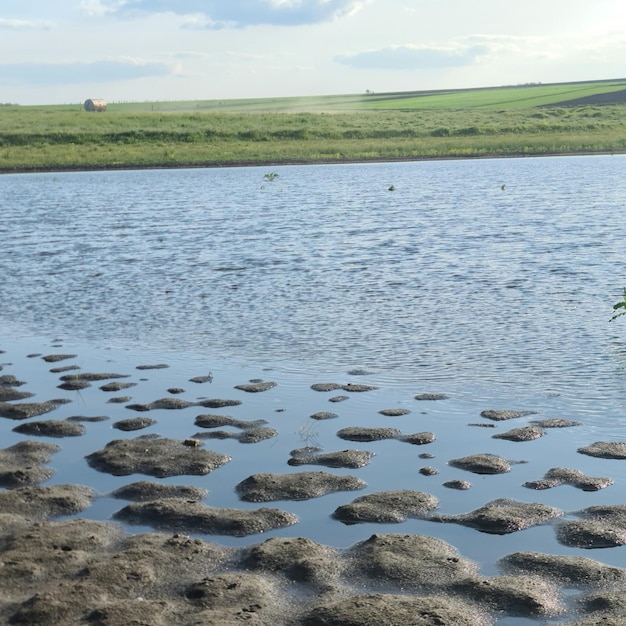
pixel 619 309
pixel 308 435
pixel 65 138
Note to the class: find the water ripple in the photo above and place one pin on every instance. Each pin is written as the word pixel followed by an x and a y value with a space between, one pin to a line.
pixel 449 275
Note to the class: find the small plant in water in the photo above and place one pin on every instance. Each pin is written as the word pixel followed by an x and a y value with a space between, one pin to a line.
pixel 308 435
pixel 270 176
pixel 620 305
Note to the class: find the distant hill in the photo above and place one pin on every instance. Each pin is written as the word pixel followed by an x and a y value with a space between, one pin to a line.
pixel 505 97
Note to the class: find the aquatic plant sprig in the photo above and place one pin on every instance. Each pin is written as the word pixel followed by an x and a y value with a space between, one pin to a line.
pixel 620 305
pixel 308 434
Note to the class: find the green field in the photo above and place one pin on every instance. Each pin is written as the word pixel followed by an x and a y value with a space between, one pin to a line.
pixel 563 118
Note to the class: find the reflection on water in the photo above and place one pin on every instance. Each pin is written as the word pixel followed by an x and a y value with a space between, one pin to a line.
pixel 499 298
pixel 288 407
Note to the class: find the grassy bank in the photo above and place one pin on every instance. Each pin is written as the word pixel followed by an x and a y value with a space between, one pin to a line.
pixel 66 137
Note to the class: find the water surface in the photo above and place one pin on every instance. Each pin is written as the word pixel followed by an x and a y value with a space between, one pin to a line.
pixel 490 281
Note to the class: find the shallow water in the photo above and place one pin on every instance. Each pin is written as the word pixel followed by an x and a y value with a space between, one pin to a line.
pixel 499 298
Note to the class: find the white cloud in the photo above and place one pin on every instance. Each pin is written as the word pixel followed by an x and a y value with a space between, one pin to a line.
pixel 219 14
pixel 90 72
pixel 97 8
pixel 413 57
pixel 218 49
pixel 24 24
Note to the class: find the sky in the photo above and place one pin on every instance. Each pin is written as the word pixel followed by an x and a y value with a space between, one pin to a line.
pixel 66 51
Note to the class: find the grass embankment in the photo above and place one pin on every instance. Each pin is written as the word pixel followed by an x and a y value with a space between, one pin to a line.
pixel 466 123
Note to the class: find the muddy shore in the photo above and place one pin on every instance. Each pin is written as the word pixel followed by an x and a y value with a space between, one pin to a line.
pixel 276 163
pixel 58 566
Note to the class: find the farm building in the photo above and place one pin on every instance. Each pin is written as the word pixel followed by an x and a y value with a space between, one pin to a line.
pixel 96 105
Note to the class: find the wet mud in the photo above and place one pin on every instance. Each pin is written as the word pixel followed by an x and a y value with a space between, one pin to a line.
pixel 60 567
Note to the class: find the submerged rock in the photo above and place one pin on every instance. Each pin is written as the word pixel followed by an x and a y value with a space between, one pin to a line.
pixel 377 609
pixel 573 571
pixel 207 378
pixel 602 526
pixel 256 387
pixel 499 415
pixel 116 386
pixel 503 516
pixel 555 423
pixel 590 534
pixel 153 567
pixel 607 608
pixel 191 516
pixel 51 428
pixel 45 542
pixel 345 458
pixel 526 433
pixel 64 368
pixel 249 435
pixel 428 471
pixel 232 598
pixel 461 485
pixel 614 514
pixel 298 486
pixel 418 439
pixel 134 423
pixel 8 394
pixel 84 418
pixel 519 596
pixel 54 358
pixel 178 403
pixel 298 559
pixel 403 562
pixel 253 431
pixel 65 606
pixel 40 503
pixel 386 507
pixel 350 387
pixel 162 403
pixel 79 571
pixel 325 386
pixel 74 384
pixel 93 376
pixel 563 476
pixel 145 490
pixel 27 409
pixel 158 457
pixel 8 380
pixel 119 400
pixel 482 464
pixel 22 463
pixel 605 450
pixel 431 396
pixel 394 412
pixel 217 403
pixel 356 388
pixel 359 433
pixel 216 421
pixel 324 415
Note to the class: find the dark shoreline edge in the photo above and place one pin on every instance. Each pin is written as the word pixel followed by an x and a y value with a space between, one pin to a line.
pixel 277 163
